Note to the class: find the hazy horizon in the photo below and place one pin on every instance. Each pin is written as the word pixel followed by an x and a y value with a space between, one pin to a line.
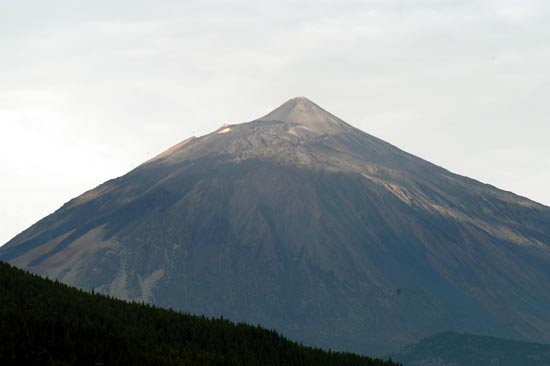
pixel 89 91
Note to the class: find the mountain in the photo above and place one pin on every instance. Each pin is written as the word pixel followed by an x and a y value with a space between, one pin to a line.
pixel 47 323
pixel 302 223
pixel 456 349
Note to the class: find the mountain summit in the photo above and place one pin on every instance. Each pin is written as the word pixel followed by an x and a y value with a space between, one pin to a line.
pixel 303 223
pixel 303 112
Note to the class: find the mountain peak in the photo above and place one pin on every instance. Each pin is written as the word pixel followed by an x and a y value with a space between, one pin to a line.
pixel 305 113
pixel 303 223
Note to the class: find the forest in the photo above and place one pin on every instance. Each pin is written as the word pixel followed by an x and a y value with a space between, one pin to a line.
pixel 44 322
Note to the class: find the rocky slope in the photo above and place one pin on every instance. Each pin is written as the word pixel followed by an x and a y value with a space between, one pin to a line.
pixel 301 222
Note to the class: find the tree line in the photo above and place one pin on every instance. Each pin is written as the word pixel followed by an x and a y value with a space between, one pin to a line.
pixel 44 322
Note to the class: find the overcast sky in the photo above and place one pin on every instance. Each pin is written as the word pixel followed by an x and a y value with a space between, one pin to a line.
pixel 90 89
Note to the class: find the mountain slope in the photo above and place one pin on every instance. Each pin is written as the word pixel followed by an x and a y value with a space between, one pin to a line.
pixel 48 323
pixel 454 349
pixel 300 222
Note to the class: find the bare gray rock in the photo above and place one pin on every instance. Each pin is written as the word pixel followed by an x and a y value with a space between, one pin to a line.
pixel 303 223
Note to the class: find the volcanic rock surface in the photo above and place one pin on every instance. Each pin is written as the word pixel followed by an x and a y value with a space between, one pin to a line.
pixel 300 222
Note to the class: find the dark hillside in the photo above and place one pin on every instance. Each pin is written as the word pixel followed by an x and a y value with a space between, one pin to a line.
pixel 47 323
pixel 459 349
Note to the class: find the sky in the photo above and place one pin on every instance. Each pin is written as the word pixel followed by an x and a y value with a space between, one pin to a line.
pixel 91 89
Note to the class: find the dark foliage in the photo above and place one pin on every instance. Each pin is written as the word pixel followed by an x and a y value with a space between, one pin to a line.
pixel 43 322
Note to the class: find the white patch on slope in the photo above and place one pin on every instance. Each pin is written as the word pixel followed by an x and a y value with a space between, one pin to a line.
pixel 225 130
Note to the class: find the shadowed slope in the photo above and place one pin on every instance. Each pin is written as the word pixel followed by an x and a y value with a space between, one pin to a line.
pixel 45 323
